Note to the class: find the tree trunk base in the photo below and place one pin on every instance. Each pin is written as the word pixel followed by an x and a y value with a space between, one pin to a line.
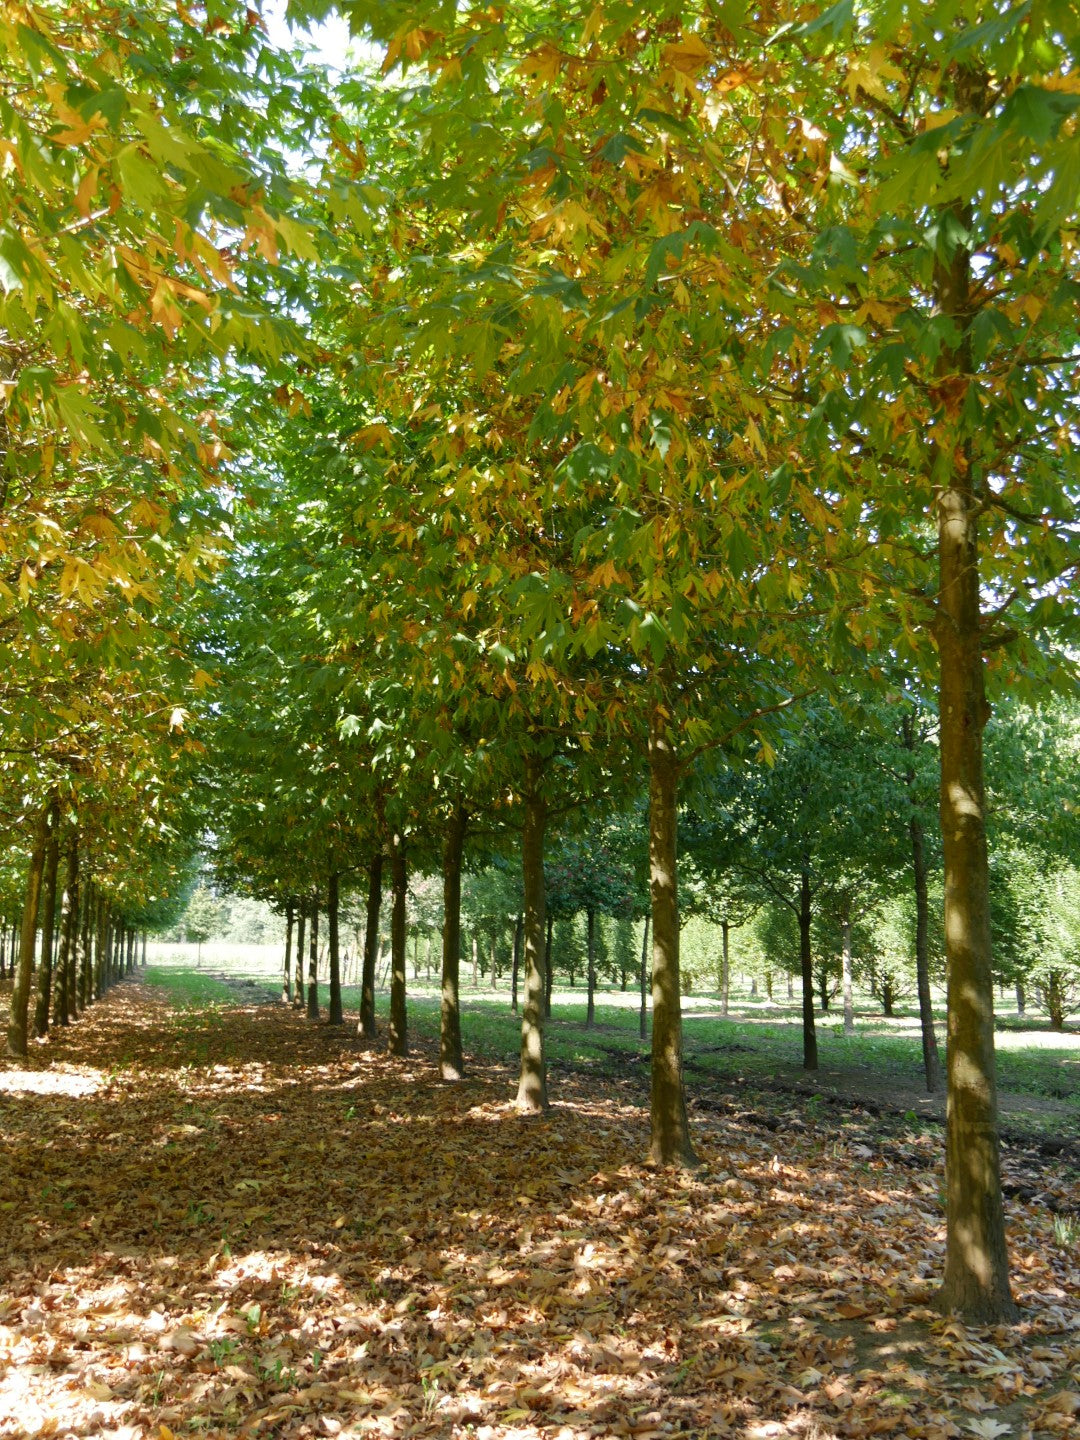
pixel 977 1308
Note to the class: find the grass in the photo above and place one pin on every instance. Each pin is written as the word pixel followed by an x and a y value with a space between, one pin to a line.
pixel 754 1045
pixel 189 989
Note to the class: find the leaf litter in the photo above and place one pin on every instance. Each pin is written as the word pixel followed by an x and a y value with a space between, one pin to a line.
pixel 237 1223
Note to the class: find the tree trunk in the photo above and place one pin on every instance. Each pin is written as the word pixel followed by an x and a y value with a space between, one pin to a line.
pixel 643 1009
pixel 69 918
pixel 313 962
pixel 48 922
pixel 286 979
pixel 451 1060
pixel 1020 999
pixel 1055 999
pixel 301 942
pixel 931 1059
pixel 519 928
pixel 336 1015
pixel 810 1057
pixel 888 996
pixel 725 967
pixel 670 1127
pixel 532 1082
pixel 845 947
pixel 88 910
pixel 823 987
pixel 399 885
pixel 367 1027
pixel 590 967
pixel 18 1044
pixel 976 1280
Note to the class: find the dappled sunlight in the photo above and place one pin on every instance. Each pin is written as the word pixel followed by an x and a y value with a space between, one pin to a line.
pixel 70 1081
pixel 254 1224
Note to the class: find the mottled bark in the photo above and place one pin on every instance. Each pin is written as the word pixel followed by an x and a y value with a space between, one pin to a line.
pixel 451 1060
pixel 976 1280
pixel 398 1040
pixel 669 1124
pixel 367 1027
pixel 532 1082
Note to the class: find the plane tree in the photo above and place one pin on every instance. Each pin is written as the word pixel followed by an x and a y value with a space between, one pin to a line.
pixel 935 330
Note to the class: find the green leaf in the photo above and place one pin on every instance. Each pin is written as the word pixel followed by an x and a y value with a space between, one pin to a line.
pixel 1038 114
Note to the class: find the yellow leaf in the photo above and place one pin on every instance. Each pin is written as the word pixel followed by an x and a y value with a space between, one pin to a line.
pixel 689 55
pixel 871 74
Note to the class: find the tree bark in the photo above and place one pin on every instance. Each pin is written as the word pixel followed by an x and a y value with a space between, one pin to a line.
pixel 313 962
pixel 101 938
pixel 451 1059
pixel 669 1124
pixel 301 942
pixel 336 1015
pixel 69 919
pixel 590 967
pixel 367 1027
pixel 845 950
pixel 532 1095
pixel 88 909
pixel 48 922
pixel 976 1280
pixel 286 979
pixel 810 1055
pixel 17 1040
pixel 398 1035
pixel 1020 999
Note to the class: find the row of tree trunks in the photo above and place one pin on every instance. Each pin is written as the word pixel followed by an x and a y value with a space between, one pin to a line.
pixel 83 950
pixel 451 1059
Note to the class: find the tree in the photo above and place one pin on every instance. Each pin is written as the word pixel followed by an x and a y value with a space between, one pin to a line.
pixel 201 918
pixel 941 265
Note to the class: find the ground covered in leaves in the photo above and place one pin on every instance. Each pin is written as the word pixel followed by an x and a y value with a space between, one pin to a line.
pixel 236 1223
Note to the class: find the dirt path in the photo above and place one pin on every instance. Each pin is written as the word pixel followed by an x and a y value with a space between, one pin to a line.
pixel 237 1223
